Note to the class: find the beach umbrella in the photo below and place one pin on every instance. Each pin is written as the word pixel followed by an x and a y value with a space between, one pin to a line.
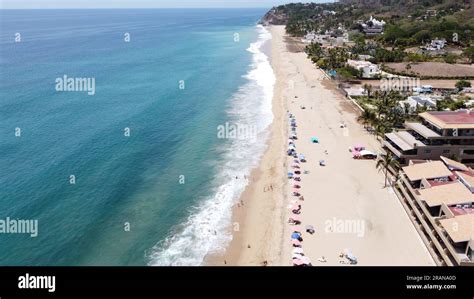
pixel 295 242
pixel 301 156
pixel 295 217
pixel 314 140
pixel 309 227
pixel 290 175
pixel 351 257
pixel 297 256
pixel 305 260
pixel 295 235
pixel 295 207
pixel 297 262
pixel 296 161
pixel 298 251
pixel 296 229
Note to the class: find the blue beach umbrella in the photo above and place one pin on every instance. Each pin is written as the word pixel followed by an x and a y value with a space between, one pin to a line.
pixel 290 175
pixel 295 235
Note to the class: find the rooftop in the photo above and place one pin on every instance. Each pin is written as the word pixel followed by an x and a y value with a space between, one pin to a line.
pixel 427 170
pixel 448 194
pixel 454 165
pixel 462 119
pixel 405 146
pixel 467 178
pixel 422 130
pixel 459 228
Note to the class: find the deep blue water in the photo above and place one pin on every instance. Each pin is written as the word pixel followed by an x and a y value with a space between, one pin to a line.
pixel 119 179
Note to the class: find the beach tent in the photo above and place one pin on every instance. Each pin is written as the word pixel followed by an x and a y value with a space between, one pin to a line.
pixel 290 175
pixel 314 140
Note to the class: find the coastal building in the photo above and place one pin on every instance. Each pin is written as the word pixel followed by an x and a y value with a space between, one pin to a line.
pixel 369 70
pixel 423 89
pixel 435 45
pixel 326 39
pixel 440 133
pixel 313 37
pixel 364 57
pixel 438 197
pixel 373 26
pixel 414 102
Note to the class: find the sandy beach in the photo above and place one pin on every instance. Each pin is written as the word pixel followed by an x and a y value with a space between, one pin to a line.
pixel 345 201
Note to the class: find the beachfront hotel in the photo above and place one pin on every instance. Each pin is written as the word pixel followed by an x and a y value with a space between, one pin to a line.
pixel 440 133
pixel 439 199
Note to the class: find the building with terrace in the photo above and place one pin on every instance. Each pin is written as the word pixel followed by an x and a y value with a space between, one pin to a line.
pixel 438 198
pixel 440 133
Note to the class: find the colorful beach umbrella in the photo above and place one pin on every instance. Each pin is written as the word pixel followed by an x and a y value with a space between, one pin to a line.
pixel 295 217
pixel 298 250
pixel 296 207
pixel 295 235
pixel 297 262
pixel 295 243
pixel 296 229
pixel 305 260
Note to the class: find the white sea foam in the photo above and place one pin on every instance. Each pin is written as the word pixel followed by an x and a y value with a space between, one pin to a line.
pixel 208 228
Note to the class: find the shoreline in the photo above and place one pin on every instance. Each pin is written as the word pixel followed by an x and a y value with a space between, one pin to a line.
pixel 263 198
pixel 345 190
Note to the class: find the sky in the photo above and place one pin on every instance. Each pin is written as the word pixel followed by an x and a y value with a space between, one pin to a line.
pixel 15 4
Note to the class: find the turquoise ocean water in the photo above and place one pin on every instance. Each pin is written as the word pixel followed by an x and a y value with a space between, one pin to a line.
pixel 172 181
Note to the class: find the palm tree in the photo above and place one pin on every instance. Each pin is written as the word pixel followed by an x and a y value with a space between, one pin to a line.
pixel 385 163
pixel 367 89
pixel 367 117
pixel 381 128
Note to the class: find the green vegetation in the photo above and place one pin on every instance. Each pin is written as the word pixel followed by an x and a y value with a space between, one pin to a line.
pixel 462 84
pixel 382 111
pixel 469 53
pixel 409 23
pixel 386 163
pixel 449 104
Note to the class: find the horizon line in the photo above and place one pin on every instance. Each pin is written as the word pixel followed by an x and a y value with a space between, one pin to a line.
pixel 94 8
